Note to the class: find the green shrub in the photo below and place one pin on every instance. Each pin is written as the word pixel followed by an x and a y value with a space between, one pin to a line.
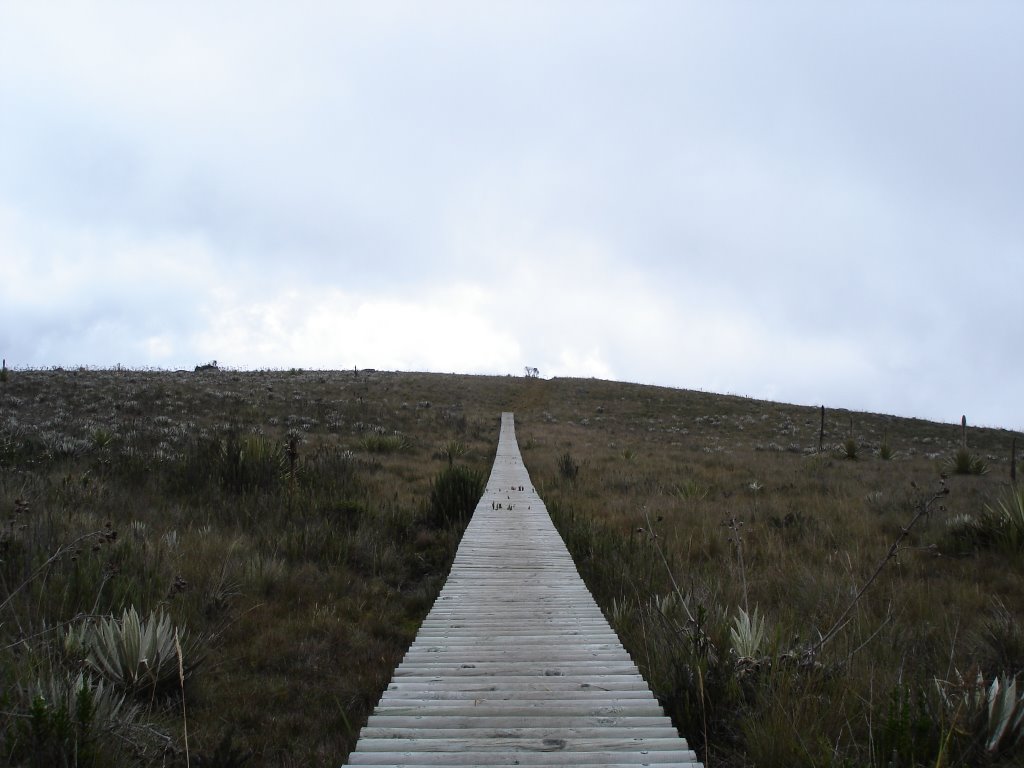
pixel 906 732
pixel 250 463
pixel 747 634
pixel 1001 641
pixel 71 721
pixel 849 449
pixel 135 654
pixel 333 471
pixel 385 443
pixel 965 532
pixel 691 490
pixel 452 450
pixel 454 495
pixel 239 464
pixel 963 462
pixel 1001 525
pixel 568 467
pixel 1005 519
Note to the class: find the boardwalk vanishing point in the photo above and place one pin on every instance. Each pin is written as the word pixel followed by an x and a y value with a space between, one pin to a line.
pixel 515 664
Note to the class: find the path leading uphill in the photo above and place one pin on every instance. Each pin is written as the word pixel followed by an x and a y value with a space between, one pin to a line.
pixel 515 664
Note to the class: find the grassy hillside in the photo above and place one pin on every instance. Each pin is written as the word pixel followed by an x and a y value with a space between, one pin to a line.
pixel 295 527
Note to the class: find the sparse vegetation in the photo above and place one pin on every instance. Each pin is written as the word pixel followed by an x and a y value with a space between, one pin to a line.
pixel 999 526
pixel 277 515
pixel 842 565
pixel 256 510
pixel 452 450
pixel 454 496
pixel 568 467
pixel 73 720
pixel 376 443
pixel 850 450
pixel 963 462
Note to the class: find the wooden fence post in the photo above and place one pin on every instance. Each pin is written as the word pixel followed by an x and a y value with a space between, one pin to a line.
pixel 821 433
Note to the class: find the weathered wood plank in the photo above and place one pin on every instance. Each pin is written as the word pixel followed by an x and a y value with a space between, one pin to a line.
pixel 518 721
pixel 516 709
pixel 657 732
pixel 529 667
pixel 429 693
pixel 523 757
pixel 625 686
pixel 504 743
pixel 513 684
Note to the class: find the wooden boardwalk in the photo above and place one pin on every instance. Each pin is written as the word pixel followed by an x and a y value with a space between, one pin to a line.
pixel 515 664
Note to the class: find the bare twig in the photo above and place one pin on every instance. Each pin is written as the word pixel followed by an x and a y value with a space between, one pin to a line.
pixel 181 681
pixel 874 634
pixel 668 569
pixel 841 622
pixel 61 551
pixel 736 525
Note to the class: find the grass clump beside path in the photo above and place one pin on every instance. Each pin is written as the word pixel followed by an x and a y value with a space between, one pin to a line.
pixel 286 531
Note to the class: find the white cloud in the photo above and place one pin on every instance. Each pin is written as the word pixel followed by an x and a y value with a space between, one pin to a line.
pixel 450 330
pixel 808 201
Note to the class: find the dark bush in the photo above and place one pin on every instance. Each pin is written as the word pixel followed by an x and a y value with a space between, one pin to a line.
pixel 454 495
pixel 963 462
pixel 568 467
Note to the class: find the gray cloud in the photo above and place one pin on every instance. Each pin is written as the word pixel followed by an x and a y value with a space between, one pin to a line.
pixel 808 202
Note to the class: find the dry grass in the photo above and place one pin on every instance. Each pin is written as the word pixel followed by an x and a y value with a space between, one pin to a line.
pixel 725 503
pixel 306 575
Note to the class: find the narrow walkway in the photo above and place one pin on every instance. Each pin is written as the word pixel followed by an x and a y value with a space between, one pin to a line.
pixel 515 665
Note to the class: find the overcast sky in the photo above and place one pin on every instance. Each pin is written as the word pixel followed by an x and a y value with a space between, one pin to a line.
pixel 813 202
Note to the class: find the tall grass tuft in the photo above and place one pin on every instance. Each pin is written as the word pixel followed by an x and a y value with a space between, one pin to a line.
pixel 1000 526
pixel 963 462
pixel 73 721
pixel 1003 522
pixel 568 467
pixel 849 449
pixel 885 450
pixel 454 495
pixel 452 450
pixel 250 463
pixel 385 443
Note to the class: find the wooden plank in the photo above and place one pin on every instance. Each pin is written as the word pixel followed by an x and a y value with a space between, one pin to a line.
pixel 519 708
pixel 456 694
pixel 607 682
pixel 577 761
pixel 427 693
pixel 659 732
pixel 516 664
pixel 476 640
pixel 504 743
pixel 513 721
pixel 578 681
pixel 541 668
pixel 522 757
